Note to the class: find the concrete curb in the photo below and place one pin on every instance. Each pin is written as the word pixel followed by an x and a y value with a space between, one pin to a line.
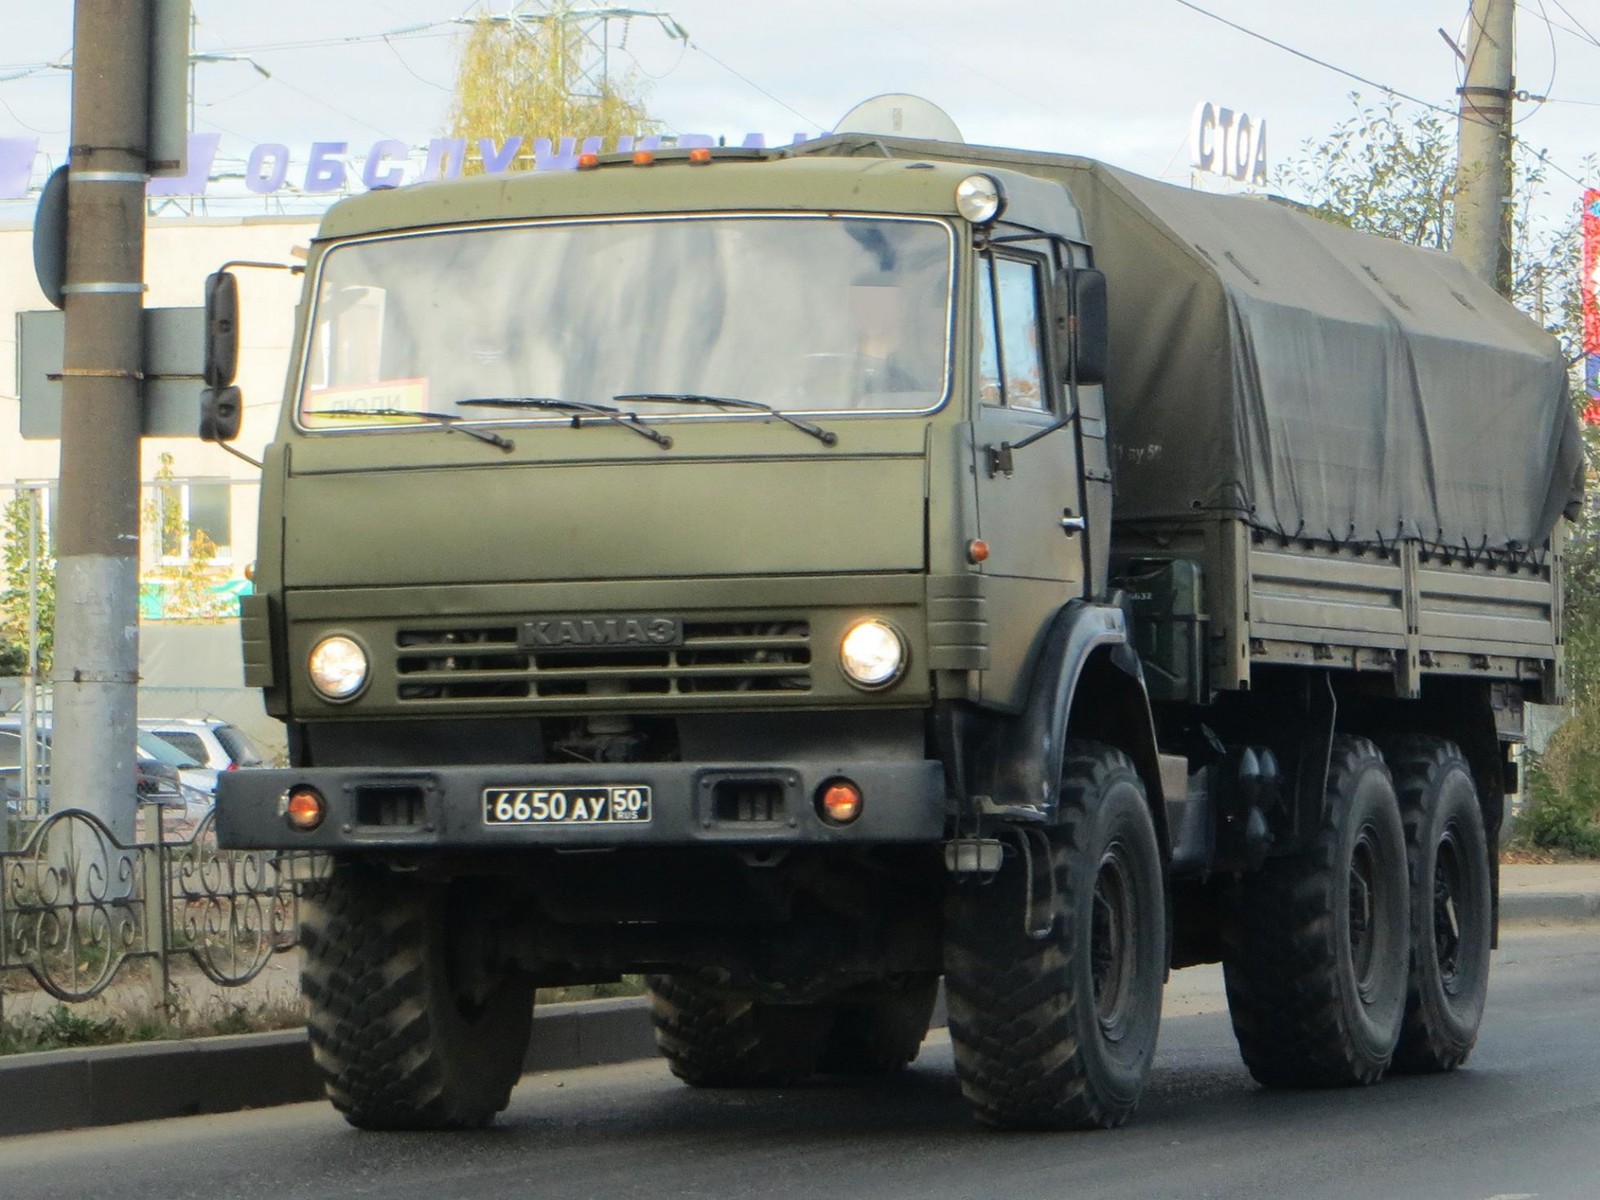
pixel 149 1081
pixel 67 1089
pixel 1544 908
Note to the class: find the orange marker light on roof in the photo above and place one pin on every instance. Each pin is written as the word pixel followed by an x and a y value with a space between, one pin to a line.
pixel 700 155
pixel 586 161
pixel 643 158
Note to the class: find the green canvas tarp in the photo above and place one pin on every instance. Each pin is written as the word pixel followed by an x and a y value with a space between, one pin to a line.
pixel 1317 382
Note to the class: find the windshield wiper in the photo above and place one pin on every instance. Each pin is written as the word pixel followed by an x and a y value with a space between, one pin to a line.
pixel 579 409
pixel 450 422
pixel 826 436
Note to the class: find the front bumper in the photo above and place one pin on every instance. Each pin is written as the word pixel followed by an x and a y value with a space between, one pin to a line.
pixel 419 808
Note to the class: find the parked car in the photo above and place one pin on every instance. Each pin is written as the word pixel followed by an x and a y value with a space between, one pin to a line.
pixel 11 789
pixel 208 741
pixel 161 774
pixel 158 783
pixel 151 748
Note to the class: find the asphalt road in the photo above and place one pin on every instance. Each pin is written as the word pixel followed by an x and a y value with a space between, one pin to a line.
pixel 1521 1120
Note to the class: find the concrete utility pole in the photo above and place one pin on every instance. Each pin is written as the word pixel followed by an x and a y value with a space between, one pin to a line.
pixel 97 580
pixel 1481 237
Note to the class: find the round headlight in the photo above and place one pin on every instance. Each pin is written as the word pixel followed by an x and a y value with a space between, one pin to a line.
pixel 873 654
pixel 338 667
pixel 978 199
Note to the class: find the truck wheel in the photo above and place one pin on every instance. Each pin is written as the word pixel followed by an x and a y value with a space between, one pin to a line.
pixel 712 1039
pixel 1315 957
pixel 406 1035
pixel 1447 853
pixel 879 1033
pixel 1058 1032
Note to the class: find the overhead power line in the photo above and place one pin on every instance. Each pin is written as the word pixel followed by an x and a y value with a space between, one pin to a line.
pixel 1311 58
pixel 698 48
pixel 404 33
pixel 430 29
pixel 1550 31
pixel 1542 155
pixel 1581 32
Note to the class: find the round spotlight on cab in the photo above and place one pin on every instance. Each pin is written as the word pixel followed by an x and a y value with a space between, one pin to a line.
pixel 304 807
pixel 839 801
pixel 980 198
pixel 338 667
pixel 873 654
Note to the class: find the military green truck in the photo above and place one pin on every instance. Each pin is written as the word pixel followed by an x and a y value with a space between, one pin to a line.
pixel 798 576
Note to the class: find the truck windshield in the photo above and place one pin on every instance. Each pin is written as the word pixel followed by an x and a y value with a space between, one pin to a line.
pixel 806 314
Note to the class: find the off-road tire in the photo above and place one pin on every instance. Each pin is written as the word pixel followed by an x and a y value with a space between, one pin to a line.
pixel 397 1043
pixel 1059 1032
pixel 1447 855
pixel 881 1031
pixel 715 1039
pixel 1315 955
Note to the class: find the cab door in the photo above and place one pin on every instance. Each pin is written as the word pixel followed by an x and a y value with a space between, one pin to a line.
pixel 1029 497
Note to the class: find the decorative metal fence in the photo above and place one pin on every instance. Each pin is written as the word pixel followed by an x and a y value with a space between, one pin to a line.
pixel 77 907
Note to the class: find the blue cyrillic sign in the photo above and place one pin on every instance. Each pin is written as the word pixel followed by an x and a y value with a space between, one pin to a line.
pixel 333 167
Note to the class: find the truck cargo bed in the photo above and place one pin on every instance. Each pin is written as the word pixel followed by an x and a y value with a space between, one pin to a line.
pixel 1400 609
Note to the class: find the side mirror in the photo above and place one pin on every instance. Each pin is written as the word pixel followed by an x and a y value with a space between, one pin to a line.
pixel 1093 319
pixel 1083 339
pixel 221 410
pixel 222 329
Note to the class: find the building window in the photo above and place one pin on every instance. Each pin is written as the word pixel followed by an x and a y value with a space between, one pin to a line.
pixel 191 509
pixel 211 512
pixel 49 495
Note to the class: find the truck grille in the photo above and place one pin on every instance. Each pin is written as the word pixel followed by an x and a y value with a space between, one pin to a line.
pixel 716 658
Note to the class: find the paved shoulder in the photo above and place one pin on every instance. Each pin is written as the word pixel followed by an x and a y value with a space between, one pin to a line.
pixel 1548 893
pixel 71 1089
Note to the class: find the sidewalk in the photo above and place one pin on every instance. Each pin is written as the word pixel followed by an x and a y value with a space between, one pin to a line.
pixel 1562 892
pixel 153 1080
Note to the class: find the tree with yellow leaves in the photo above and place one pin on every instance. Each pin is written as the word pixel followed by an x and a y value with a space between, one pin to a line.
pixel 527 73
pixel 184 570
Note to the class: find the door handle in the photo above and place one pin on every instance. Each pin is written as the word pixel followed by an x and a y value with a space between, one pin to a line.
pixel 1070 524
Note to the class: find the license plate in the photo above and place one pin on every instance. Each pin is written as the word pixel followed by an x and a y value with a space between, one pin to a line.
pixel 605 805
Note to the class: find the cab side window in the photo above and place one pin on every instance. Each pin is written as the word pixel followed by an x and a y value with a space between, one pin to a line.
pixel 990 389
pixel 1010 362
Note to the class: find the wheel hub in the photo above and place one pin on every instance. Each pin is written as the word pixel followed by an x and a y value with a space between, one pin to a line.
pixel 1447 886
pixel 1363 929
pixel 1111 942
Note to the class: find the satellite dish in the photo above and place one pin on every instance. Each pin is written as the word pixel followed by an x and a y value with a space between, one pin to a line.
pixel 898 115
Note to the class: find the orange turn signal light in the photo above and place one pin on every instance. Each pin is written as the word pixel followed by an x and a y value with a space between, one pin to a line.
pixel 586 161
pixel 643 158
pixel 700 155
pixel 304 808
pixel 977 550
pixel 839 801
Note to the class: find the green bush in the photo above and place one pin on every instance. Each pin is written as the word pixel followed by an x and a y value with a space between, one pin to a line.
pixel 57 1029
pixel 1562 787
pixel 62 1027
pixel 13 658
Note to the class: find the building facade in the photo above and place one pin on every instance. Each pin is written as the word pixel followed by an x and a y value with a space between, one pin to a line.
pixel 199 502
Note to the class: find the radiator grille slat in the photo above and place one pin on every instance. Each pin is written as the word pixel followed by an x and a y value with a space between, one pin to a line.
pixel 716 658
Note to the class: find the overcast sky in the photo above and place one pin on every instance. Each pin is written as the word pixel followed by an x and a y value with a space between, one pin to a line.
pixel 1114 80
